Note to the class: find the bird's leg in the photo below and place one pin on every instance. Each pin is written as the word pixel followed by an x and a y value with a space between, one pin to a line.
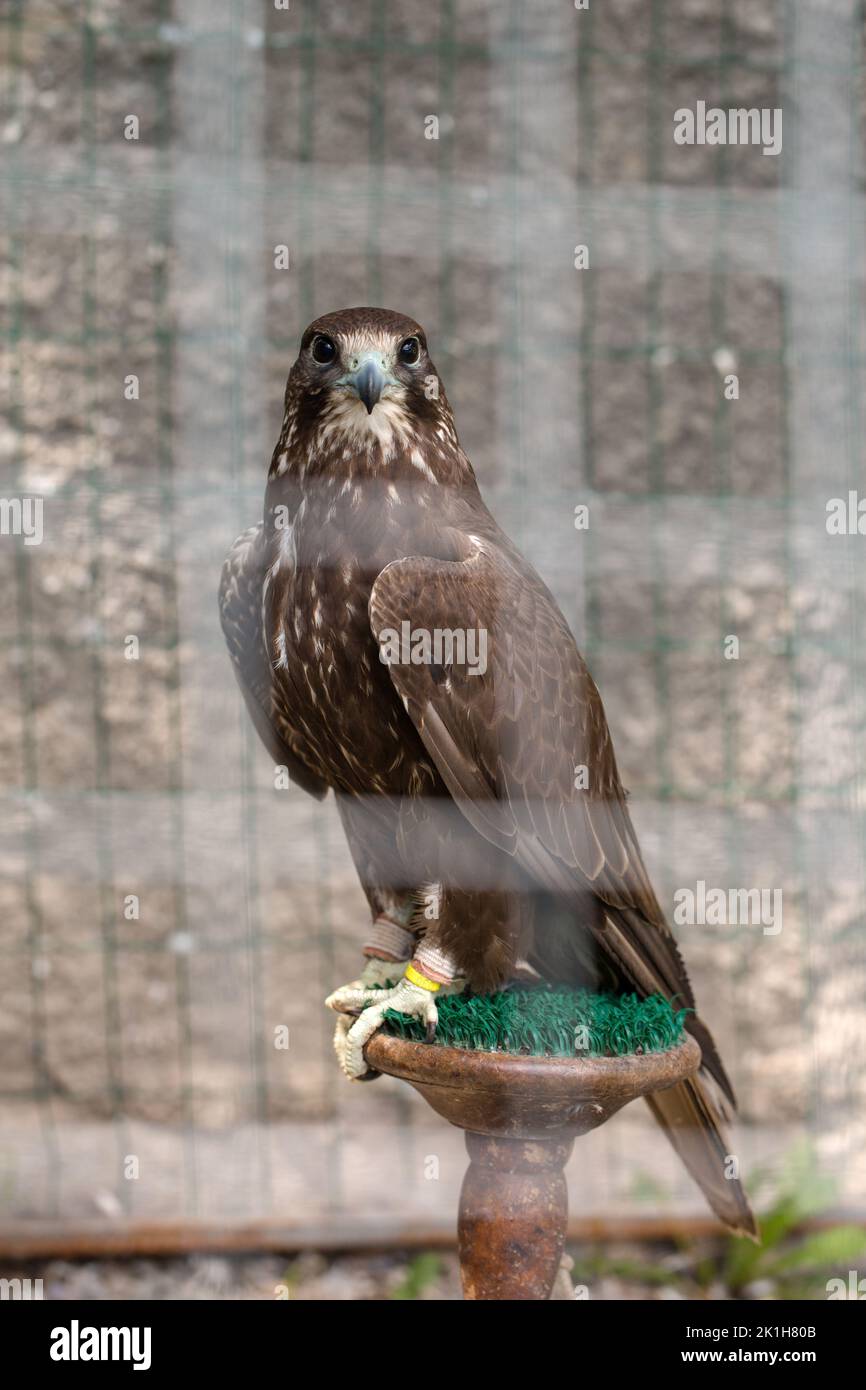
pixel 387 949
pixel 428 972
pixel 389 945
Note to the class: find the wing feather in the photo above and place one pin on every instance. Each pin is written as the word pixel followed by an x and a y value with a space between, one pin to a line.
pixel 507 743
pixel 240 605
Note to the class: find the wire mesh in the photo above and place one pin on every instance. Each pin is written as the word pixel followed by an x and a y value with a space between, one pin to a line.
pixel 164 908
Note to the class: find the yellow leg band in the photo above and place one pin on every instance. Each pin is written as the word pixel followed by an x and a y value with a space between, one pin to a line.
pixel 417 978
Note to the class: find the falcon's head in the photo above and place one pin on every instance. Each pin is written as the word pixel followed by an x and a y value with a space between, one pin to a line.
pixel 363 379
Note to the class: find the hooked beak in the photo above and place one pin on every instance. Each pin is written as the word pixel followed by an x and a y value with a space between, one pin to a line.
pixel 369 381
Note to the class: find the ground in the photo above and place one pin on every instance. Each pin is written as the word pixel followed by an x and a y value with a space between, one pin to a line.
pixel 613 1270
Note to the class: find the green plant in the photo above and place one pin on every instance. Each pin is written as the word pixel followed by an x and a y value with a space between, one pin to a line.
pixel 788 1263
pixel 783 1258
pixel 420 1273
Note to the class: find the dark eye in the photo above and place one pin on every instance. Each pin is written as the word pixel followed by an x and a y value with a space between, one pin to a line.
pixel 409 351
pixel 324 349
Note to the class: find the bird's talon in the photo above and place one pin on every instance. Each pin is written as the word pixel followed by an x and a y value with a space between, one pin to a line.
pixel 377 979
pixel 406 998
pixel 354 998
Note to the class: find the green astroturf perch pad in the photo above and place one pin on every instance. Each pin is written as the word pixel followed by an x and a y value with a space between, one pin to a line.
pixel 540 1022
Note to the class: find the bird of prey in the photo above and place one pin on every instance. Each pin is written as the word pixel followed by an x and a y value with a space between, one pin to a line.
pixel 394 647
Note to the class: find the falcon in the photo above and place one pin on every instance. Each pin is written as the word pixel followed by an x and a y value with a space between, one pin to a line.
pixel 393 647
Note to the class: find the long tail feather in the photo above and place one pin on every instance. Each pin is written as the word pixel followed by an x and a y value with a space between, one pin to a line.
pixel 693 1121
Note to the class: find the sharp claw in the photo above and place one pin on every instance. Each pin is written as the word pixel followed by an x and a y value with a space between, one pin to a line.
pixel 368 1007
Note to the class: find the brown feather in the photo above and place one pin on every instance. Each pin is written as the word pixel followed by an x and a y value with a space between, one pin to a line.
pixel 373 518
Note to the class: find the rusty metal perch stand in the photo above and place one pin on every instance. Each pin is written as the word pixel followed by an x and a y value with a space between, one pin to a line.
pixel 521 1116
